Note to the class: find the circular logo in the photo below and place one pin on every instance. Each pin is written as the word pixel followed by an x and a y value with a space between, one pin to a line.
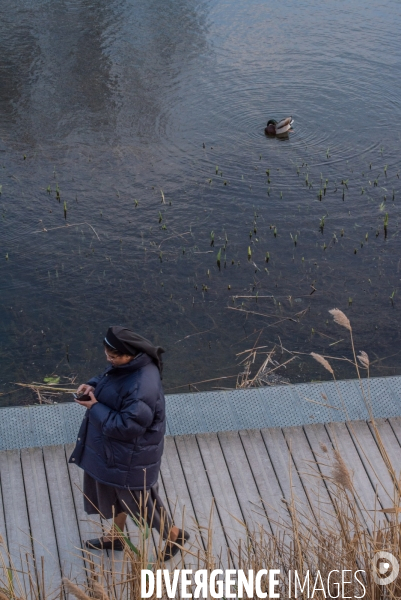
pixel 385 571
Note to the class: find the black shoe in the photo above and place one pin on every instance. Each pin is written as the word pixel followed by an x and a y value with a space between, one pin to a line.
pixel 171 548
pixel 99 544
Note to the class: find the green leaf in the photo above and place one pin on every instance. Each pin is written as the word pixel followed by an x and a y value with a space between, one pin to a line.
pixel 52 379
pixel 144 526
pixel 128 541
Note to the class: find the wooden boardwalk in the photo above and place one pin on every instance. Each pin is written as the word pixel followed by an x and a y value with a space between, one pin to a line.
pixel 250 475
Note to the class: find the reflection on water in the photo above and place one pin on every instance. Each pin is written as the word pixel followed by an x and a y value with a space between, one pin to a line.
pixel 144 122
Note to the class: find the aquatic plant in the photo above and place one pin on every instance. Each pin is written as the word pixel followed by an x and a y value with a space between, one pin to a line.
pixel 385 224
pixel 218 258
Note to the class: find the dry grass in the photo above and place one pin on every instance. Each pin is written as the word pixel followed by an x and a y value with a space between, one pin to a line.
pixel 266 374
pixel 340 318
pixel 325 363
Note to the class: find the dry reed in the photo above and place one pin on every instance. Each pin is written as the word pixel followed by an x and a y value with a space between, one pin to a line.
pixel 340 472
pixel 340 318
pixel 363 359
pixel 325 363
pixel 74 590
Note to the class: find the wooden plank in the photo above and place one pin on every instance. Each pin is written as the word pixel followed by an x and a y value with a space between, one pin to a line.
pixel 286 473
pixel 321 446
pixel 309 474
pixel 243 481
pixel 89 526
pixel 391 444
pixel 179 501
pixel 201 495
pixel 343 442
pixel 16 519
pixel 92 526
pixel 223 490
pixel 65 518
pixel 395 423
pixel 41 518
pixel 373 461
pixel 177 562
pixel 177 494
pixel 265 477
pixel 322 449
pixel 4 560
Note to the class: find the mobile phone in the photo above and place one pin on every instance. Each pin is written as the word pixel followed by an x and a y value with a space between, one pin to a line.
pixel 82 397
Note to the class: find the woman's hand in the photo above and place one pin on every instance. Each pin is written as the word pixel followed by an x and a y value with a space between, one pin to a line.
pixel 88 403
pixel 85 389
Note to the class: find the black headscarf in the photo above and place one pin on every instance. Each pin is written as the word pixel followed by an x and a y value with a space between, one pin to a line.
pixel 126 341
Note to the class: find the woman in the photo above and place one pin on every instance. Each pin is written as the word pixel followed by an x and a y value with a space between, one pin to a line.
pixel 120 442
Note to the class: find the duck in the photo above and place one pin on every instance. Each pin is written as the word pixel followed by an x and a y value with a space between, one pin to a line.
pixel 277 128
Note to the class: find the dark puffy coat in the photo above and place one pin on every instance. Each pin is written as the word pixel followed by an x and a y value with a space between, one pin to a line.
pixel 121 437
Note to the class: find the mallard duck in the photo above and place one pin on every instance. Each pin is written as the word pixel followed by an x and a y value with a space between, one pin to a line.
pixel 274 128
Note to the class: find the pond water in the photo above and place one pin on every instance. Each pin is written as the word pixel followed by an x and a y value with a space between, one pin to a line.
pixel 132 150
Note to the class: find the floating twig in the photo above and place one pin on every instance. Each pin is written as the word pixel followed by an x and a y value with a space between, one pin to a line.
pixel 67 225
pixel 243 310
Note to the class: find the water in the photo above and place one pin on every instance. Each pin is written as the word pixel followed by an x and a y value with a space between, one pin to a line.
pixel 119 105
